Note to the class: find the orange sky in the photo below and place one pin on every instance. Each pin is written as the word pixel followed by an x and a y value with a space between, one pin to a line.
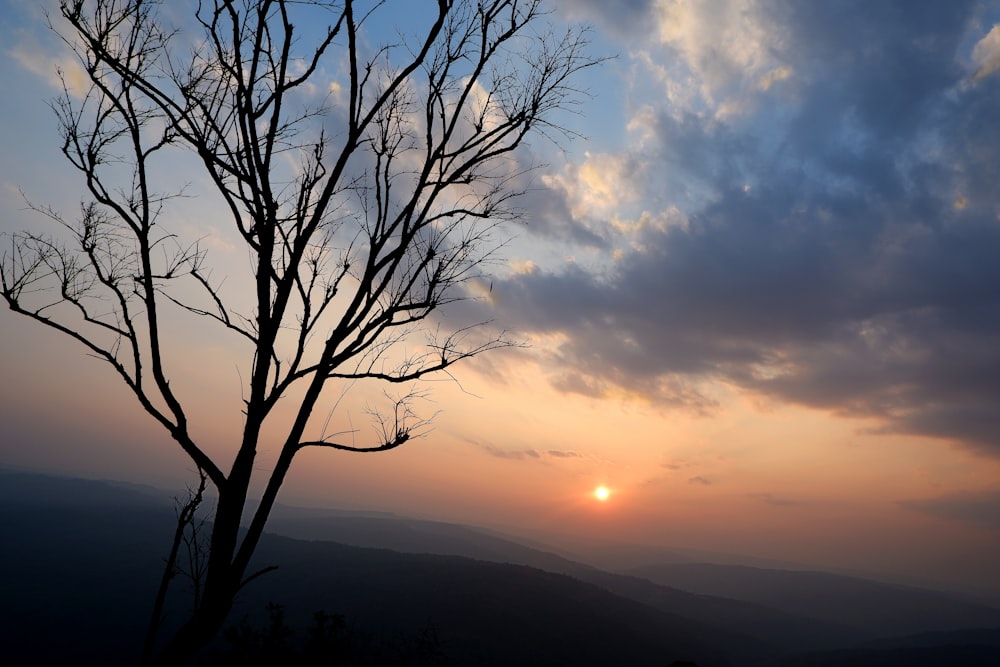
pixel 771 481
pixel 691 246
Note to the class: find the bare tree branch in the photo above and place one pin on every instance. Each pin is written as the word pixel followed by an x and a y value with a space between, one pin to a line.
pixel 369 186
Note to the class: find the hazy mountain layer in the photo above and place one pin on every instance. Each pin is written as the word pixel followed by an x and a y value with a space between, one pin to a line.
pixel 81 560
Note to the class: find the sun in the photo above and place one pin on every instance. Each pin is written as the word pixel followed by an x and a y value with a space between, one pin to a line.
pixel 602 493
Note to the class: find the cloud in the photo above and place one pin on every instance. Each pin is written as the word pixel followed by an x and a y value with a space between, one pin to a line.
pixel 982 508
pixel 700 480
pixel 601 185
pixel 819 257
pixel 775 76
pixel 52 62
pixel 986 54
pixel 555 453
pixel 625 19
pixel 513 454
pixel 551 213
pixel 528 454
pixel 774 500
pixel 724 43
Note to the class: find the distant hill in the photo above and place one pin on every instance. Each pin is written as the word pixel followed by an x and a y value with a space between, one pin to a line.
pixel 412 536
pixel 78 571
pixel 777 628
pixel 876 608
pixel 80 560
pixel 39 490
pixel 79 564
pixel 791 610
pixel 490 613
pixel 960 655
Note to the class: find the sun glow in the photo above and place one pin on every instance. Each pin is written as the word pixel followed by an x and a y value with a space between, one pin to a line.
pixel 602 493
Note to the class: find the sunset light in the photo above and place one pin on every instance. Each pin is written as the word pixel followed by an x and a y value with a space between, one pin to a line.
pixel 671 298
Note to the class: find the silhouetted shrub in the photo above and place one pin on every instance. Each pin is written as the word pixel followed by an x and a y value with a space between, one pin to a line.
pixel 327 643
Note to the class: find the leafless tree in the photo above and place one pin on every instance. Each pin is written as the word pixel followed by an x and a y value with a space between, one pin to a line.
pixel 365 207
pixel 186 537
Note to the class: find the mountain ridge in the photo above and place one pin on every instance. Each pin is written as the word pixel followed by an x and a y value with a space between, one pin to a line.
pixel 115 535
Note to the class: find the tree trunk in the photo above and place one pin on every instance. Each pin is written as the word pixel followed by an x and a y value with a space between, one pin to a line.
pixel 197 631
pixel 222 582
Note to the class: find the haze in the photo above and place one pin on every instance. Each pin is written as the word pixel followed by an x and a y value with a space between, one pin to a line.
pixel 760 293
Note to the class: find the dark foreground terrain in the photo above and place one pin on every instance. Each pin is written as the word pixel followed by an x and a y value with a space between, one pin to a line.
pixel 80 561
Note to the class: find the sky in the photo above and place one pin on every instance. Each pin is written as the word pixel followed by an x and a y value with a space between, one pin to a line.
pixel 757 287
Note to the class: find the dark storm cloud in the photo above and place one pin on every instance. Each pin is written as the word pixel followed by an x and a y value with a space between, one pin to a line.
pixel 882 63
pixel 974 507
pixel 847 256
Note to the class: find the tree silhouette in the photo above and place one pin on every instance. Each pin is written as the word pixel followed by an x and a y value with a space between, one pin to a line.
pixel 367 183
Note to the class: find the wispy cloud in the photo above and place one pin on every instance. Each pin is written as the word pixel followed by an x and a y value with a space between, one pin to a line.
pixel 983 507
pixel 514 454
pixel 555 453
pixel 526 454
pixel 56 68
pixel 774 500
